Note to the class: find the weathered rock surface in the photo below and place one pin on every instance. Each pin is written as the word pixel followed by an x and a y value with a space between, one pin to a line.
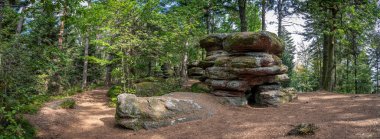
pixel 253 42
pixel 152 112
pixel 244 64
pixel 276 97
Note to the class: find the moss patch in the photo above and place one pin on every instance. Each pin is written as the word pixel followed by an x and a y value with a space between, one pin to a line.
pixel 200 88
pixel 303 129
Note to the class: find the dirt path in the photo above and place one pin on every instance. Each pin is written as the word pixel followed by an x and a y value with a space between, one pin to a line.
pixel 338 116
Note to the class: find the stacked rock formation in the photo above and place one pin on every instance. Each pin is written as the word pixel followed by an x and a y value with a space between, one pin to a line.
pixel 244 65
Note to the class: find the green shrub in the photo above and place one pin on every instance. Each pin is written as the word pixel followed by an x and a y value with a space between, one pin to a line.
pixel 159 88
pixel 68 103
pixel 114 91
pixel 112 94
pixel 13 126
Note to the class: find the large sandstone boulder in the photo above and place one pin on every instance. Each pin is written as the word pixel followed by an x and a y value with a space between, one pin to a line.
pixel 213 42
pixel 253 42
pixel 152 112
pixel 244 65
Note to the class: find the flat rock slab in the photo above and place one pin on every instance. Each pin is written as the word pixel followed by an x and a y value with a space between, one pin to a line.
pixel 253 42
pixel 134 112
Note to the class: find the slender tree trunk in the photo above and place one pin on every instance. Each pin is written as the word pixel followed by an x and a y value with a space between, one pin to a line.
pixel 355 57
pixel 377 73
pixel 243 20
pixel 184 64
pixel 62 27
pixel 150 68
pixel 20 22
pixel 280 16
pixel 208 18
pixel 1 12
pixel 355 74
pixel 85 63
pixel 347 74
pixel 263 7
pixel 108 70
pixel 124 69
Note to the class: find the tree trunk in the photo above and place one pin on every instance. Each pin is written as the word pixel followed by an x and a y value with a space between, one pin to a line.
pixel 1 12
pixel 108 70
pixel 150 68
pixel 263 7
pixel 355 74
pixel 328 52
pixel 243 21
pixel 355 52
pixel 20 22
pixel 85 63
pixel 280 16
pixel 377 73
pixel 347 74
pixel 328 62
pixel 62 27
pixel 208 18
pixel 184 64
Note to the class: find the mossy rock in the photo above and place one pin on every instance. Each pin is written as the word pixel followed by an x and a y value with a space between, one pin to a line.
pixel 146 89
pixel 254 42
pixel 213 42
pixel 201 87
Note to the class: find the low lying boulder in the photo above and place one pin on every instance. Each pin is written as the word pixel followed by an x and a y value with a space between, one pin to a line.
pixel 276 97
pixel 134 112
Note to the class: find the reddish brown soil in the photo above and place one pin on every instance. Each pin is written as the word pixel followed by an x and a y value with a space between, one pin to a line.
pixel 337 116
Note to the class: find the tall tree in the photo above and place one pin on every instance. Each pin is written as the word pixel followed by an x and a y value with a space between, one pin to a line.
pixel 263 13
pixel 242 14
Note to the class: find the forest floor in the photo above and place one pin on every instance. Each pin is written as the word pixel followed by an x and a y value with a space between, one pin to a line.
pixel 336 115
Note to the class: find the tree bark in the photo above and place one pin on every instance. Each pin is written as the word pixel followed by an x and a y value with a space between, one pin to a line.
pixel 150 68
pixel 184 64
pixel 85 63
pixel 377 73
pixel 328 52
pixel 208 18
pixel 263 7
pixel 347 74
pixel 280 16
pixel 108 70
pixel 355 56
pixel 20 22
pixel 243 19
pixel 2 5
pixel 62 26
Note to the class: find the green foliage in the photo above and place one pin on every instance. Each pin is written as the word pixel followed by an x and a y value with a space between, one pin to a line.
pixel 14 126
pixel 288 55
pixel 200 88
pixel 68 104
pixel 114 91
pixel 158 88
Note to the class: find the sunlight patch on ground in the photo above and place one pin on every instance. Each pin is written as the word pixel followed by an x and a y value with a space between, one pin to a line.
pixel 361 123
